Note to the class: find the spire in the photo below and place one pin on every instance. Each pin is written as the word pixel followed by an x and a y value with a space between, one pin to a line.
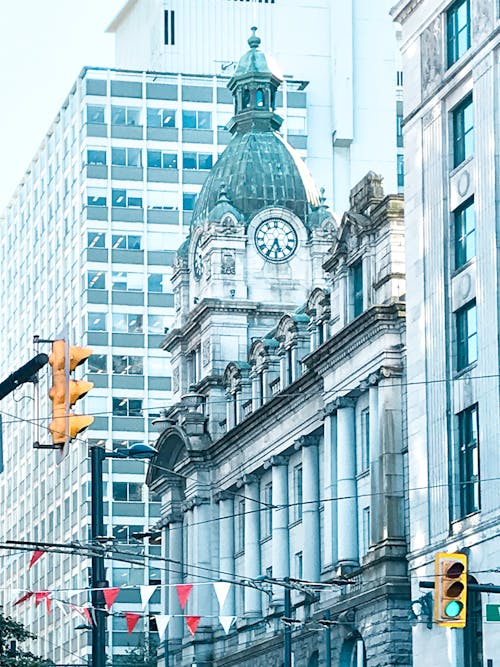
pixel 254 85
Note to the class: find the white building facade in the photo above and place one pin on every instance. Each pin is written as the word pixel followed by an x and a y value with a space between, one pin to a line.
pixel 347 51
pixel 88 243
pixel 451 134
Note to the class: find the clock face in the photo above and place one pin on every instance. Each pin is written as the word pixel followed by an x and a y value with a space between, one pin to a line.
pixel 276 240
pixel 197 260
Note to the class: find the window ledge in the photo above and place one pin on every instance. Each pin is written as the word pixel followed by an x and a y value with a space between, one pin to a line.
pixel 464 267
pixel 460 166
pixel 468 522
pixel 463 371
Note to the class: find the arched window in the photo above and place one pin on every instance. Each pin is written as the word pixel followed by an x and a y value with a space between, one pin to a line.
pixel 246 98
pixel 353 653
pixel 473 631
pixel 314 660
pixel 259 98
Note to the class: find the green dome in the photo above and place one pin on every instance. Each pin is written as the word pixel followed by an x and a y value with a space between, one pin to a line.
pixel 258 169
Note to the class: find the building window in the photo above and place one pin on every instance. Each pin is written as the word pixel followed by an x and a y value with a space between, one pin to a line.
pixel 96 280
pixel 127 407
pixel 158 324
pixel 127 323
pixel 161 117
pixel 468 461
pixel 458 32
pixel 96 321
pixel 126 533
pixel 297 493
pixel 95 114
pixel 121 198
pixel 126 157
pixel 126 281
pixel 399 124
pixel 96 156
pixel 465 234
pixel 125 115
pixel 463 131
pixel 158 282
pixel 298 565
pixel 126 241
pixel 197 160
pixel 162 160
pixel 365 440
pixel 200 120
pixel 240 527
pixel 127 491
pixel 357 288
pixel 124 364
pixel 466 322
pixel 96 197
pixel 96 240
pixel 169 27
pixel 188 201
pixel 267 524
pixel 97 363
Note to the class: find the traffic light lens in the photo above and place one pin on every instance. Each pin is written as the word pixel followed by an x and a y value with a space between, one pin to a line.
pixel 453 609
pixel 455 570
pixel 455 589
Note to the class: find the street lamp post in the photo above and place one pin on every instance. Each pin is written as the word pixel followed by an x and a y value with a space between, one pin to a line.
pixel 98 578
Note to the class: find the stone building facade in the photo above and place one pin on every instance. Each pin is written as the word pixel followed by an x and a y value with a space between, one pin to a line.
pixel 451 135
pixel 281 462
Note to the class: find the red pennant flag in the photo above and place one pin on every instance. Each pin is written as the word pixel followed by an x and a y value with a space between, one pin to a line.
pixel 40 596
pixel 192 623
pixel 110 595
pixel 24 597
pixel 86 613
pixel 131 620
pixel 35 556
pixel 183 591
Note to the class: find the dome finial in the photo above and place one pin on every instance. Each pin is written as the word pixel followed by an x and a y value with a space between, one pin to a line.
pixel 253 40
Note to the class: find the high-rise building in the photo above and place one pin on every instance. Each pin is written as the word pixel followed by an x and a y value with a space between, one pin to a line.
pixel 88 241
pixel 450 63
pixel 346 50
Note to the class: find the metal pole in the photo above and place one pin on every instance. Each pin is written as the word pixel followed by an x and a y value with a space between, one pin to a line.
pixel 328 641
pixel 97 456
pixel 287 639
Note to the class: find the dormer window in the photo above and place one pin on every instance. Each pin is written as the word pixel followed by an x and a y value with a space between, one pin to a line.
pixel 246 99
pixel 259 98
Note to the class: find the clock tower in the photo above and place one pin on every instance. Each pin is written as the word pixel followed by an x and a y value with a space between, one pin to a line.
pixel 259 233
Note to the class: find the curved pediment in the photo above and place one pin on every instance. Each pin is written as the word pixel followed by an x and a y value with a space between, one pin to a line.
pixel 172 445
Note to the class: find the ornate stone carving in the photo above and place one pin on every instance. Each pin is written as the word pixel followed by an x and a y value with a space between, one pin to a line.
pixel 175 380
pixel 482 19
pixel 431 56
pixel 280 460
pixel 306 441
pixel 205 352
pixel 228 262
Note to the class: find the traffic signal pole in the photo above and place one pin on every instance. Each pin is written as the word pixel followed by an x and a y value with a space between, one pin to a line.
pixel 98 579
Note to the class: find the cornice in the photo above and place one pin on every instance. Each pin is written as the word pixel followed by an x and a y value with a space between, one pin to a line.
pixel 402 10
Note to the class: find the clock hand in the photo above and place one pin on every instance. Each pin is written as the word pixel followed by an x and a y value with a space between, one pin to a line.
pixel 278 247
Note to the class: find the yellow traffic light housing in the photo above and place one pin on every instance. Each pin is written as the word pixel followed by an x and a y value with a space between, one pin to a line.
pixel 450 590
pixel 65 392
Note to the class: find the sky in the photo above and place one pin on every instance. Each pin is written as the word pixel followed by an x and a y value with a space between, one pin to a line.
pixel 43 46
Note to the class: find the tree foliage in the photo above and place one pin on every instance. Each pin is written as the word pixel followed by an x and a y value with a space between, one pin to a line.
pixel 12 634
pixel 143 655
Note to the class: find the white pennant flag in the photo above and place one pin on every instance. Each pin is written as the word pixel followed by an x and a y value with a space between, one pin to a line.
pixel 146 594
pixel 162 620
pixel 61 606
pixel 226 622
pixel 222 589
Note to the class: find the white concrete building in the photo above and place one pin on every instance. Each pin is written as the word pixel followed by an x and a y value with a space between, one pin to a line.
pixel 283 452
pixel 346 50
pixel 452 138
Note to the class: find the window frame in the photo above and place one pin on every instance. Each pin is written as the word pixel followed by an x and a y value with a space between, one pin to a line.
pixel 462 134
pixel 466 338
pixel 454 32
pixel 468 461
pixel 462 236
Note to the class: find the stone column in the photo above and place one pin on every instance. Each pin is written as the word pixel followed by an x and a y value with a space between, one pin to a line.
pixel 175 553
pixel 294 372
pixel 280 536
pixel 283 371
pixel 376 485
pixel 255 389
pixel 330 485
pixel 202 564
pixel 230 421
pixel 226 546
pixel 253 597
pixel 347 526
pixel 311 552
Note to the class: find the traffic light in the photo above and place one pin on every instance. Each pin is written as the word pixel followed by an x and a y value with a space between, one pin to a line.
pixel 64 393
pixel 450 590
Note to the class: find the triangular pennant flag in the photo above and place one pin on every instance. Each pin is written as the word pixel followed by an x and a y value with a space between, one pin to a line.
pixel 60 605
pixel 131 619
pixel 222 589
pixel 40 596
pixel 183 591
pixel 162 620
pixel 87 616
pixel 35 556
pixel 24 597
pixel 110 595
pixel 226 622
pixel 146 594
pixel 192 623
pixel 48 602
